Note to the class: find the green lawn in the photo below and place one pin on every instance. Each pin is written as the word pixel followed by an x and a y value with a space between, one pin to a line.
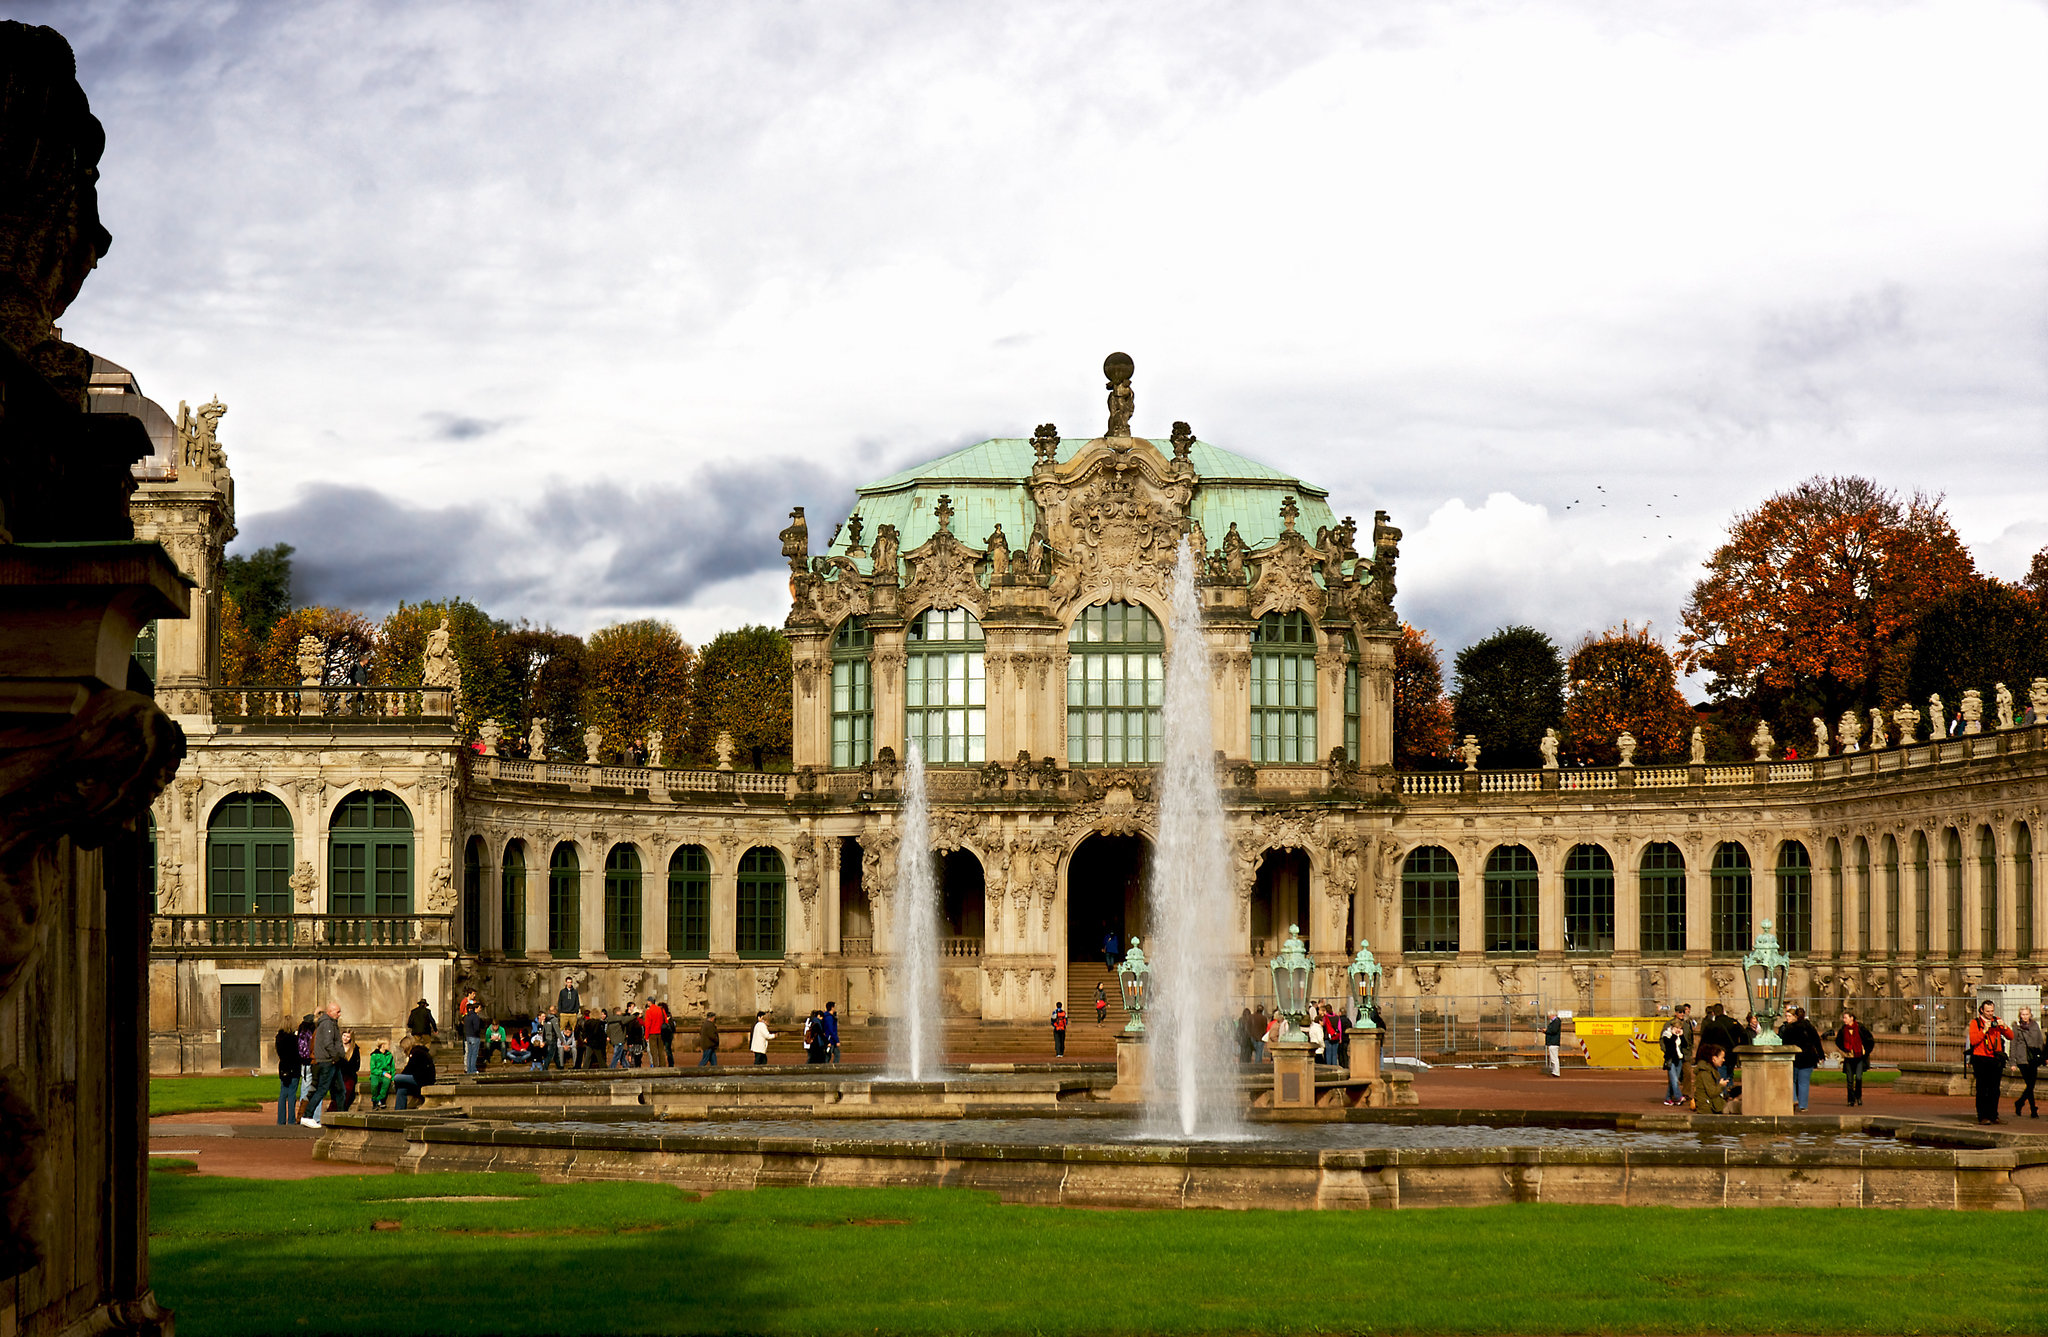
pixel 185 1095
pixel 373 1254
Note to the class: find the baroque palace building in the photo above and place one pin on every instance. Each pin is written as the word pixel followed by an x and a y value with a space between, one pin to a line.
pixel 1004 608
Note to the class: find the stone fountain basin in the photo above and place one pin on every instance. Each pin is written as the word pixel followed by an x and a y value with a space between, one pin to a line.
pixel 1334 1158
pixel 823 1093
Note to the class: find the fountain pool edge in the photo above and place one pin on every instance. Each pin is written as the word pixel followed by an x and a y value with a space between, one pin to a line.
pixel 2002 1178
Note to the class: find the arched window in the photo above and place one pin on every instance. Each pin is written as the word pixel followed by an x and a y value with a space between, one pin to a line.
pixel 1284 689
pixel 1663 899
pixel 1116 684
pixel 473 896
pixel 689 903
pixel 1888 873
pixel 1510 906
pixel 370 857
pixel 944 696
pixel 1728 899
pixel 853 695
pixel 1923 909
pixel 565 902
pixel 757 928
pixel 249 857
pixel 1952 890
pixel 2023 889
pixel 622 902
pixel 1588 900
pixel 1429 901
pixel 1987 891
pixel 1795 899
pixel 512 900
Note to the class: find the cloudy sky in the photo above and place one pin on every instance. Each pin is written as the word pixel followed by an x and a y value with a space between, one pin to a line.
pixel 562 306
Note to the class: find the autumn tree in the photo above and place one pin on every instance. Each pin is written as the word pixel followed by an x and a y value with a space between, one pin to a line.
pixel 1624 682
pixel 637 677
pixel 347 644
pixel 1510 688
pixel 261 586
pixel 1800 606
pixel 544 675
pixel 1422 716
pixel 2037 577
pixel 743 685
pixel 1986 633
pixel 240 652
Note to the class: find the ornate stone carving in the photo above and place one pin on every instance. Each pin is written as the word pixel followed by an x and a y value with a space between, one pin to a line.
pixel 440 669
pixel 796 542
pixel 1122 402
pixel 1762 741
pixel 441 891
pixel 943 573
pixel 304 882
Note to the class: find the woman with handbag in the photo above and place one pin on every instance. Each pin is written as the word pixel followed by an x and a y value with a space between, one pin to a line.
pixel 2029 1048
pixel 1988 1039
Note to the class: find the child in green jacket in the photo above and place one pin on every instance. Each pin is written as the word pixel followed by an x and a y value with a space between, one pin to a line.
pixel 382 1064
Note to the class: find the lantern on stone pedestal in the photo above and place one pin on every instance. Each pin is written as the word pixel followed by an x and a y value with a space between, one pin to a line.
pixel 1293 970
pixel 1763 972
pixel 1365 974
pixel 1134 980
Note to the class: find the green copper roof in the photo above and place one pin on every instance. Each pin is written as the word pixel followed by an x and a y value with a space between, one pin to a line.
pixel 987 485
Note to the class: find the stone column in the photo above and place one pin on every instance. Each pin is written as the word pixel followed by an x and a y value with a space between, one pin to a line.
pixel 1628 905
pixel 1376 699
pixel 590 903
pixel 725 897
pixel 2008 893
pixel 1971 876
pixel 1699 900
pixel 653 911
pixel 537 904
pixel 886 662
pixel 1550 906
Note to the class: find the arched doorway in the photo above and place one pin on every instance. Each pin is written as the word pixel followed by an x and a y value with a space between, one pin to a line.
pixel 1279 900
pixel 964 918
pixel 1105 891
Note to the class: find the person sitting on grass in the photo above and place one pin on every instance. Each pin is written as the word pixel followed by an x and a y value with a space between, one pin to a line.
pixel 382 1064
pixel 1709 1088
pixel 418 1074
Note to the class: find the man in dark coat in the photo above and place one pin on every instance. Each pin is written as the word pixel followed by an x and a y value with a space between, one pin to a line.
pixel 707 1040
pixel 421 1023
pixel 1805 1036
pixel 288 1071
pixel 568 1002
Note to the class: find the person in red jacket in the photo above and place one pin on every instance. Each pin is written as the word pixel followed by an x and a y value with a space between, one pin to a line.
pixel 654 1019
pixel 1059 1030
pixel 1988 1038
pixel 1854 1040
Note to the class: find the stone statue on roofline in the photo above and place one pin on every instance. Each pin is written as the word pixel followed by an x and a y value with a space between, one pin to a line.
pixel 1973 711
pixel 1118 367
pixel 2004 707
pixel 537 740
pixel 1820 737
pixel 1045 444
pixel 1850 730
pixel 796 541
pixel 312 661
pixel 1878 738
pixel 1762 741
pixel 1470 752
pixel 1035 550
pixel 1699 746
pixel 1626 746
pixel 1908 721
pixel 441 669
pixel 884 554
pixel 998 549
pixel 1548 747
pixel 1183 442
pixel 1937 720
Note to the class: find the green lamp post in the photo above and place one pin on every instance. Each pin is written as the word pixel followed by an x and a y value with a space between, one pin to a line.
pixel 1763 973
pixel 1365 975
pixel 1292 972
pixel 1134 979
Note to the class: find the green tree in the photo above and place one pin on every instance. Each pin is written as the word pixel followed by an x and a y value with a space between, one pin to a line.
pixel 1422 716
pixel 1624 681
pixel 490 689
pixel 261 586
pixel 743 685
pixel 1984 634
pixel 544 674
pixel 1510 688
pixel 638 676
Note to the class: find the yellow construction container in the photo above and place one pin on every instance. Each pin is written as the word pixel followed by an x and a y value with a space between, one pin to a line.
pixel 1622 1042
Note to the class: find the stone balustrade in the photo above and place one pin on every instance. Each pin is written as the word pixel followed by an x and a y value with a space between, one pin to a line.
pixel 285 706
pixel 302 934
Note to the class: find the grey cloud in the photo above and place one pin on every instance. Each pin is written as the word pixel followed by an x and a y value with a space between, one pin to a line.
pixel 1820 333
pixel 461 427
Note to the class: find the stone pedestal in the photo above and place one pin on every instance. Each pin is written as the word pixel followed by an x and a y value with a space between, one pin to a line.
pixel 1365 1048
pixel 1130 1069
pixel 1766 1078
pixel 1294 1074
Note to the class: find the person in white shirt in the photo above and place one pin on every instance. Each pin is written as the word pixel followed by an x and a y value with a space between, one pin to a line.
pixel 762 1035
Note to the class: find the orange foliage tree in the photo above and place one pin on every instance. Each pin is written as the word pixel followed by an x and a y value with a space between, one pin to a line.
pixel 639 684
pixel 1624 681
pixel 1422 716
pixel 348 645
pixel 1800 605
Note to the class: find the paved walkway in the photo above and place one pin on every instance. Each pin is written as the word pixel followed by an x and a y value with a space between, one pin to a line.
pixel 245 1144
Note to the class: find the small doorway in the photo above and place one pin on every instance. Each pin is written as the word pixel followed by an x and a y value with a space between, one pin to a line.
pixel 241 1026
pixel 1105 893
pixel 1279 900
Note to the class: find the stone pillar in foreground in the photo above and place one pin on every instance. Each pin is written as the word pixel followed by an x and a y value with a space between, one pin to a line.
pixel 1294 1074
pixel 1766 1078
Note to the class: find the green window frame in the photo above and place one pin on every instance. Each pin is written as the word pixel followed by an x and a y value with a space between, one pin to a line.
pixel 689 903
pixel 1351 712
pixel 1661 889
pixel 1429 901
pixel 1589 900
pixel 1116 686
pixel 1728 901
pixel 1283 700
pixel 512 900
pixel 945 693
pixel 622 903
pixel 565 902
pixel 369 869
pixel 1987 891
pixel 1952 889
pixel 1510 913
pixel 473 895
pixel 1889 873
pixel 761 905
pixel 1795 899
pixel 249 857
pixel 145 650
pixel 853 695
pixel 2023 889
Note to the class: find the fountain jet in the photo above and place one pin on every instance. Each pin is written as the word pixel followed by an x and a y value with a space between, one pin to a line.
pixel 914 1038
